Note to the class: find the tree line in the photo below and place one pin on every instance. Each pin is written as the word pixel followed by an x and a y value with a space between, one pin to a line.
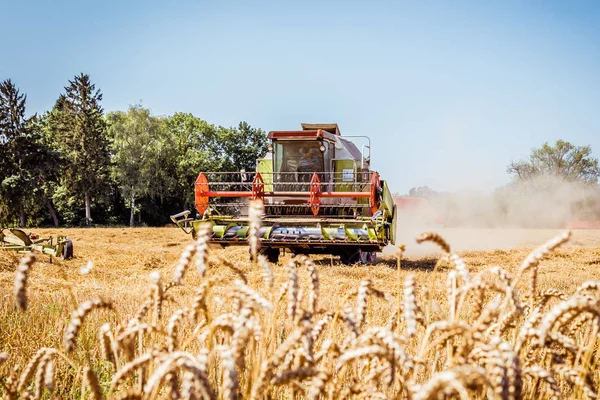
pixel 554 187
pixel 79 165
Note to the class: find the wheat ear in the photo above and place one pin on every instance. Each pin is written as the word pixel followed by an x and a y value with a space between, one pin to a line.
pixel 21 280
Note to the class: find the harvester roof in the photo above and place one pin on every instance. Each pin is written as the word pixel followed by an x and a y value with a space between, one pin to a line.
pixel 331 128
pixel 309 131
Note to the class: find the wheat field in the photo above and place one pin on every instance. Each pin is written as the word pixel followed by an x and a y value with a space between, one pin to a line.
pixel 147 313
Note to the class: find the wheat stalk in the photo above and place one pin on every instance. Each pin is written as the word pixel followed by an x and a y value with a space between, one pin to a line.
pixel 21 280
pixel 78 318
pixel 435 238
pixel 486 344
pixel 255 211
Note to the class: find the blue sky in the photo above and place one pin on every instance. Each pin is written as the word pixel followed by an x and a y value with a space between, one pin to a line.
pixel 449 92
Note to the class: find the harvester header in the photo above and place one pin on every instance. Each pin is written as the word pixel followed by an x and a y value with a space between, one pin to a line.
pixel 319 194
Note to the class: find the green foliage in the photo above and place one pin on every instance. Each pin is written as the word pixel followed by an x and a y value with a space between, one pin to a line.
pixel 79 132
pixel 73 161
pixel 562 160
pixel 194 148
pixel 67 205
pixel 132 135
pixel 22 153
pixel 46 169
pixel 242 146
pixel 556 185
pixel 5 212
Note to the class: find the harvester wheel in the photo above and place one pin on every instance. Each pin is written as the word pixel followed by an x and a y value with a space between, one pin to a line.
pixel 367 257
pixel 271 254
pixel 67 250
pixel 350 257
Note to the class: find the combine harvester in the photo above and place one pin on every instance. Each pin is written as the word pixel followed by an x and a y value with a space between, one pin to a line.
pixel 319 194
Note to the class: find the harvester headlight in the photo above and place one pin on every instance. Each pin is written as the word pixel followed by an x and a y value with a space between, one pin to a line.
pixel 322 148
pixel 270 148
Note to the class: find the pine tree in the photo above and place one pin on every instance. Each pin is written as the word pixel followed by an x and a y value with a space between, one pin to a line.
pixel 79 132
pixel 18 149
pixel 47 168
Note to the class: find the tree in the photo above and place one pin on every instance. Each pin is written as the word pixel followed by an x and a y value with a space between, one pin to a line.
pixel 196 149
pixel 556 185
pixel 242 146
pixel 47 167
pixel 422 191
pixel 20 150
pixel 163 167
pixel 79 132
pixel 132 135
pixel 562 160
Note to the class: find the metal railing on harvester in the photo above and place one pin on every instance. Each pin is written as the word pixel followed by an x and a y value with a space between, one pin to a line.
pixel 288 193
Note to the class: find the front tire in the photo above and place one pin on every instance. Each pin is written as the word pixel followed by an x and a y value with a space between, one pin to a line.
pixel 67 250
pixel 368 257
pixel 350 257
pixel 271 254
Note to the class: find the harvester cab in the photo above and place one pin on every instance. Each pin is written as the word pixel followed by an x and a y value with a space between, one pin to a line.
pixel 319 194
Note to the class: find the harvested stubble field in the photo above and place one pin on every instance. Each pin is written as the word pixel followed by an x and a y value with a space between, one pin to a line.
pixel 318 330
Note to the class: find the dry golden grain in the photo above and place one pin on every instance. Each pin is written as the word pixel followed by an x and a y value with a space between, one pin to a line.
pixel 78 318
pixel 184 262
pixel 92 383
pixel 251 295
pixel 361 303
pixel 204 234
pixel 266 271
pixel 255 212
pixel 227 338
pixel 21 280
pixel 174 323
pixel 292 290
pixel 435 238
pixel 410 306
pixel 131 366
pixel 534 258
pixel 31 367
pixel 537 372
pixel 39 376
pixel 108 345
pixel 49 376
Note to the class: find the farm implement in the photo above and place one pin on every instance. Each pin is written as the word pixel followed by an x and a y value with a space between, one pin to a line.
pixel 21 242
pixel 319 195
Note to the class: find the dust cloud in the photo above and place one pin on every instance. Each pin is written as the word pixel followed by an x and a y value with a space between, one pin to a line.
pixel 520 214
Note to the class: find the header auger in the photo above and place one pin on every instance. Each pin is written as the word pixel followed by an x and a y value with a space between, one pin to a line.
pixel 319 196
